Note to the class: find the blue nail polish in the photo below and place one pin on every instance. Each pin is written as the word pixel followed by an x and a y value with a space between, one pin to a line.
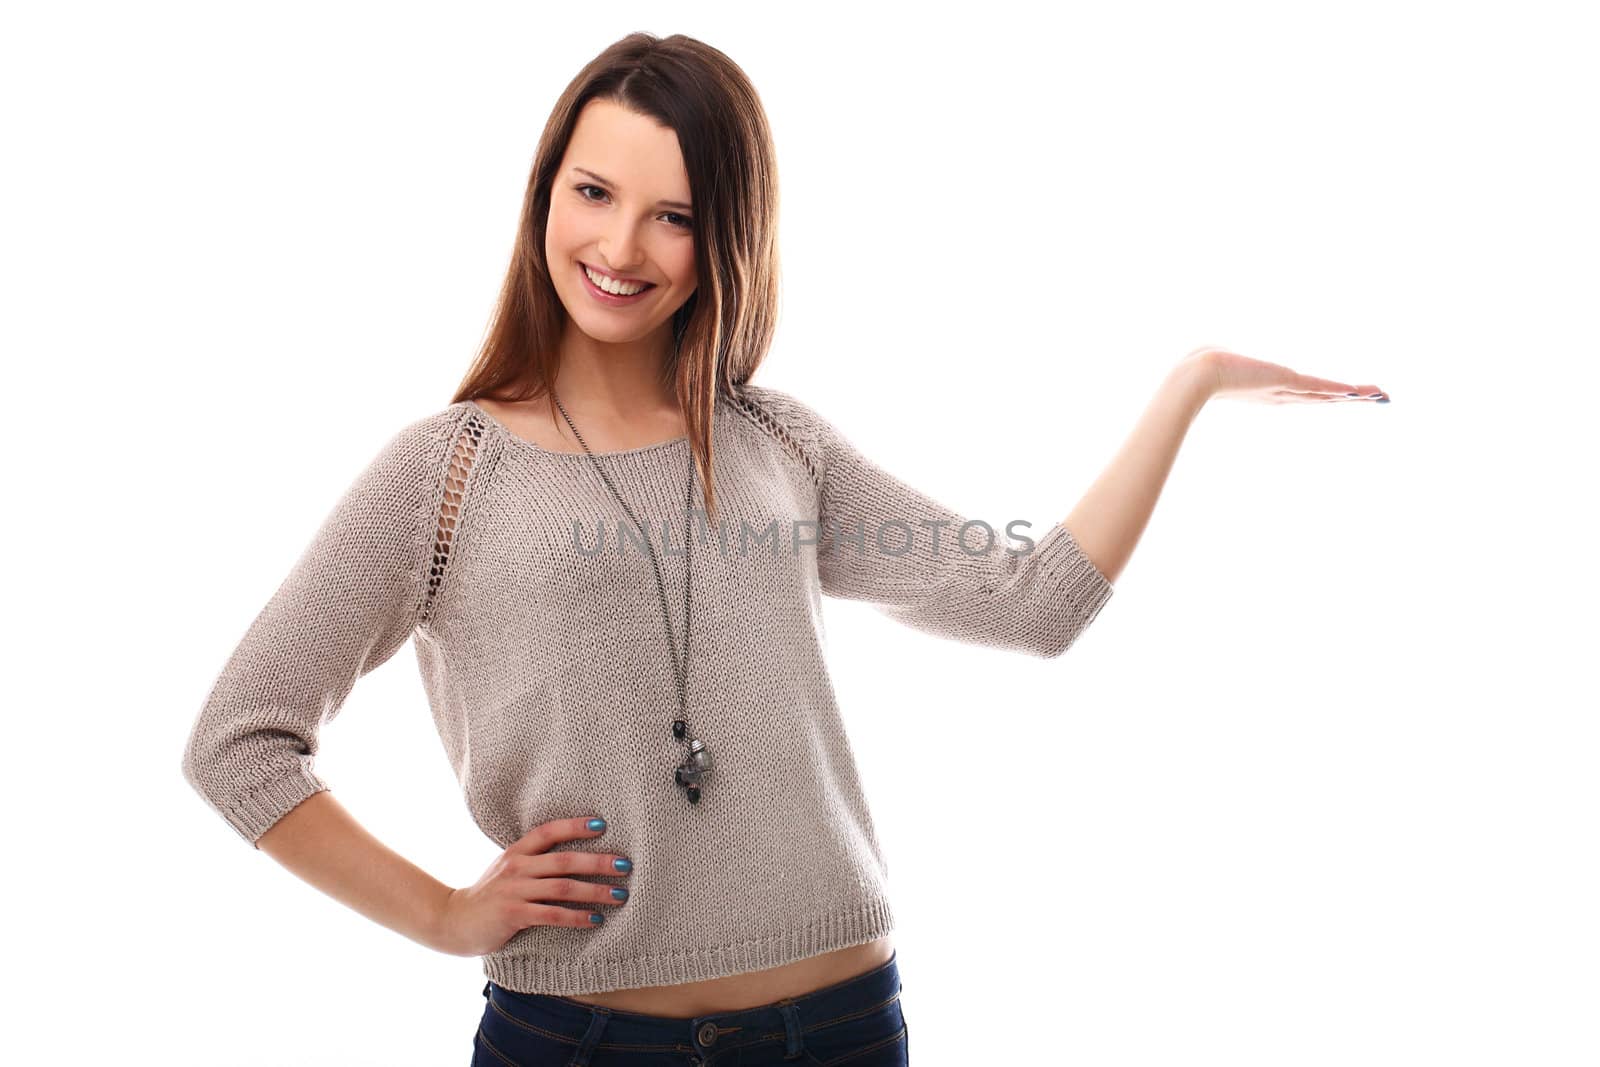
pixel 623 865
pixel 1382 400
pixel 596 918
pixel 597 824
pixel 618 893
pixel 1352 394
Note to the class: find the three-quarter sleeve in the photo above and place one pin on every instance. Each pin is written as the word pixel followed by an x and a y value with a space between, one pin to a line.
pixel 929 567
pixel 347 605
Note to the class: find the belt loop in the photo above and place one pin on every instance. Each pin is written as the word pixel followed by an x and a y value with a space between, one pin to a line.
pixel 793 1044
pixel 598 1017
pixel 486 986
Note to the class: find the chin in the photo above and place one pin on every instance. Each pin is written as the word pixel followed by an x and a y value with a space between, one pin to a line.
pixel 608 332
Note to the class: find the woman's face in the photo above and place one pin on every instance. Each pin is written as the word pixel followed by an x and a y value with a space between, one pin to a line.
pixel 620 205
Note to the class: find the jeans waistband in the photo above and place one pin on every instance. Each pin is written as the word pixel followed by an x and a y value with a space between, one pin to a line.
pixel 787 1018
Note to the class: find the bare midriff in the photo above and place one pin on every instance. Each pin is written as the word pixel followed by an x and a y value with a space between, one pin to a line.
pixel 752 989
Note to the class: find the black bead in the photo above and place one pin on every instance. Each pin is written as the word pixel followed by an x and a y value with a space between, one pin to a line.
pixel 694 794
pixel 679 728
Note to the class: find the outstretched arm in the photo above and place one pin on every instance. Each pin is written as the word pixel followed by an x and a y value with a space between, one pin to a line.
pixel 1111 516
pixel 924 564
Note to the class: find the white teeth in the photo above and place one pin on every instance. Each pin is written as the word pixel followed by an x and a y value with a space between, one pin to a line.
pixel 615 288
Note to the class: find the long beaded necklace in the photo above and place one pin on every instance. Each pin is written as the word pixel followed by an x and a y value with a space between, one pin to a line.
pixel 697 764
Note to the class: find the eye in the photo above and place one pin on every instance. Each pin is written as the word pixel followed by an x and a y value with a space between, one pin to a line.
pixel 684 221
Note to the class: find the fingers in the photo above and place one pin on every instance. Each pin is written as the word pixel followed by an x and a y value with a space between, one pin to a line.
pixel 575 889
pixel 1306 383
pixel 553 864
pixel 1253 379
pixel 593 894
pixel 1289 396
pixel 552 915
pixel 531 853
pixel 1316 390
pixel 549 834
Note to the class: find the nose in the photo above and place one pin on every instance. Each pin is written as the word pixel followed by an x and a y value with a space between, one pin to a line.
pixel 621 248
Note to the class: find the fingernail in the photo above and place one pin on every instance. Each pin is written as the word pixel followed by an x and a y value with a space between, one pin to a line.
pixel 596 918
pixel 1383 400
pixel 597 824
pixel 619 893
pixel 622 865
pixel 1352 394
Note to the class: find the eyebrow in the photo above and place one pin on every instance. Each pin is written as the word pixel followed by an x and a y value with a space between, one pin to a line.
pixel 679 204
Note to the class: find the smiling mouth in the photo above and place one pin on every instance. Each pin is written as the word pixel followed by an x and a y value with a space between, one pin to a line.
pixel 587 269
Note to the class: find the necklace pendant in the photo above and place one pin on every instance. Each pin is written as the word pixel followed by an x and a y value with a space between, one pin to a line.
pixel 693 770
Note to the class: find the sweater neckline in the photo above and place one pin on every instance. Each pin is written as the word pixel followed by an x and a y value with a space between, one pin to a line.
pixel 518 441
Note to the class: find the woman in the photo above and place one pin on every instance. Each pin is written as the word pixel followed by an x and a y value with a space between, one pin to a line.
pixel 646 728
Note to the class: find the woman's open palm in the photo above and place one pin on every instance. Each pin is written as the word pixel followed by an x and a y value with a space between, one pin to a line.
pixel 1243 378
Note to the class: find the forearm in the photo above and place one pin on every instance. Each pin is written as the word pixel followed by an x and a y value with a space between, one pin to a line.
pixel 1111 516
pixel 324 845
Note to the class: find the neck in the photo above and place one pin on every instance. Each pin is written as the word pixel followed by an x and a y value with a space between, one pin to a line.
pixel 621 380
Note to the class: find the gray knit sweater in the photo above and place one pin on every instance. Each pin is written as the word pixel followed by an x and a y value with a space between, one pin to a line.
pixel 551 683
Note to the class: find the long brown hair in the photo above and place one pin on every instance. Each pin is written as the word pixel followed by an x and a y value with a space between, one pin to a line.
pixel 724 330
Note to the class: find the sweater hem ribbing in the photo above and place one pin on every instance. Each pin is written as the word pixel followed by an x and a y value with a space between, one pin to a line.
pixel 564 977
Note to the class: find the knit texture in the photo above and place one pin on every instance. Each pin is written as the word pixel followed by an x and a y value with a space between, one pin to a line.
pixel 545 661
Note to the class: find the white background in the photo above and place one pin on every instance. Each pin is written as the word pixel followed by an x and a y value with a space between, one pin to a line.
pixel 1318 787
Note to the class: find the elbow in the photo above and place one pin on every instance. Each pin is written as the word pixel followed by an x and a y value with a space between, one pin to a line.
pixel 193 764
pixel 251 778
pixel 1061 631
pixel 201 775
pixel 208 752
pixel 199 769
pixel 1048 650
pixel 1051 646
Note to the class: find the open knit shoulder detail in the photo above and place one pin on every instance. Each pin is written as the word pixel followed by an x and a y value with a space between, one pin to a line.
pixel 768 409
pixel 469 435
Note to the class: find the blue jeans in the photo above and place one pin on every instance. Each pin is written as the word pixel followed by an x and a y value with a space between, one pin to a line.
pixel 856 1022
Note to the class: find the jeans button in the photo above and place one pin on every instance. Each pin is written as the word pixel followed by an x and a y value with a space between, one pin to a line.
pixel 708 1034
